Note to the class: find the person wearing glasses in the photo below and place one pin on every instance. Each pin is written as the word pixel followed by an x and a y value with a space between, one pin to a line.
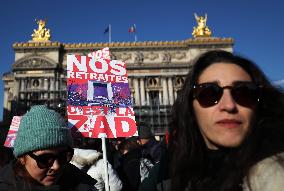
pixel 227 131
pixel 43 150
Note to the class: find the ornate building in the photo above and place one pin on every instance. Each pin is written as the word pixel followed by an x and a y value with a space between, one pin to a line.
pixel 156 71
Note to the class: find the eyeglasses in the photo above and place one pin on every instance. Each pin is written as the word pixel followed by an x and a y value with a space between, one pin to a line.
pixel 47 160
pixel 246 94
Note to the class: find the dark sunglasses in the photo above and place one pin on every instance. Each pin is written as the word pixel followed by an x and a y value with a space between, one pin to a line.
pixel 246 94
pixel 47 160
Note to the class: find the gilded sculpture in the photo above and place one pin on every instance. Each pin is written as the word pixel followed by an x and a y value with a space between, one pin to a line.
pixel 201 30
pixel 41 34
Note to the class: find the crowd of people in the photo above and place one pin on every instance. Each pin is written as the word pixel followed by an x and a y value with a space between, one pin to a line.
pixel 226 134
pixel 46 157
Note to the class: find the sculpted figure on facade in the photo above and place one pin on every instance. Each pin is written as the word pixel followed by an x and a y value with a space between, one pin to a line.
pixel 178 55
pixel 122 56
pixel 201 30
pixel 34 62
pixel 41 34
pixel 152 56
pixel 166 58
pixel 139 58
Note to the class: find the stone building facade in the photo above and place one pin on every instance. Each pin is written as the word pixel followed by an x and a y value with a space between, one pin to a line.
pixel 156 72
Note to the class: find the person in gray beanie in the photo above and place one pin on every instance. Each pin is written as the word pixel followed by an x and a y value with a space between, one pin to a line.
pixel 43 150
pixel 151 148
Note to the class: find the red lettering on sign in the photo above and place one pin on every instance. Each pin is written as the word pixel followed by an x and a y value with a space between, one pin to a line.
pixel 81 120
pixel 101 121
pixel 119 130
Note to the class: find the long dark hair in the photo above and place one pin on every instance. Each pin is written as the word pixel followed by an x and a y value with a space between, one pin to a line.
pixel 188 161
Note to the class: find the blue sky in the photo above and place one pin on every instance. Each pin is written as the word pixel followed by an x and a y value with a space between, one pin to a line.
pixel 256 26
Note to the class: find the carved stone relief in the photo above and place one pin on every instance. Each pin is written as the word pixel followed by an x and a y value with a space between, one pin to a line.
pixel 122 56
pixel 178 55
pixel 166 58
pixel 139 58
pixel 34 63
pixel 151 56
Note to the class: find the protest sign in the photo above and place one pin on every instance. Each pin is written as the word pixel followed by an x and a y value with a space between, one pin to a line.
pixel 99 99
pixel 12 133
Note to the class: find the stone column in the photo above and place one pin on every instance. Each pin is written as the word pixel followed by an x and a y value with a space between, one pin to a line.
pixel 21 84
pixel 51 88
pixel 45 87
pixel 170 90
pixel 160 97
pixel 41 81
pixel 148 97
pixel 52 84
pixel 45 84
pixel 136 92
pixel 130 82
pixel 165 91
pixel 22 88
pixel 142 91
pixel 5 104
pixel 16 89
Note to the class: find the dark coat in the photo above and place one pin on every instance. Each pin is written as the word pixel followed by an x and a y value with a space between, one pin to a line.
pixel 153 150
pixel 158 179
pixel 6 155
pixel 129 171
pixel 72 179
pixel 159 176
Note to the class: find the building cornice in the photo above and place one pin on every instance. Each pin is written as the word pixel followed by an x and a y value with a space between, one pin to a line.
pixel 8 76
pixel 119 45
pixel 37 45
pixel 152 44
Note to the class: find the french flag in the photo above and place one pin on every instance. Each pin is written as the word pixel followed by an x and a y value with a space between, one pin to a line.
pixel 106 30
pixel 132 29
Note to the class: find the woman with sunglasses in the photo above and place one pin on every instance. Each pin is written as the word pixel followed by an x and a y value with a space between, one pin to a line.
pixel 43 150
pixel 227 131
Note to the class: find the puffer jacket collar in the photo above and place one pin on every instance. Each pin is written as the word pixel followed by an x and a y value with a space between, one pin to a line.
pixel 85 157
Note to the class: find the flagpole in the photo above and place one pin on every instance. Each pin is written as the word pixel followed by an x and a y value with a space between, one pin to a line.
pixel 135 35
pixel 109 34
pixel 105 163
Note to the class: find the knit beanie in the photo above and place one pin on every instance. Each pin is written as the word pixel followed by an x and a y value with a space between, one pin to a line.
pixel 41 128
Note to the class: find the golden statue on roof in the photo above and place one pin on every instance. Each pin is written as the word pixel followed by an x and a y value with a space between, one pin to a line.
pixel 201 30
pixel 41 34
